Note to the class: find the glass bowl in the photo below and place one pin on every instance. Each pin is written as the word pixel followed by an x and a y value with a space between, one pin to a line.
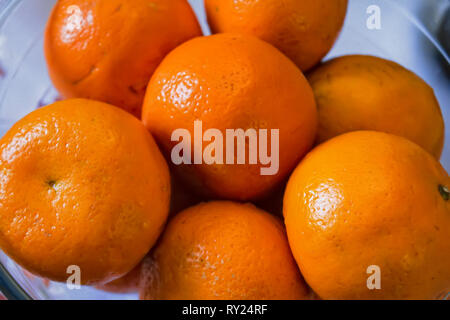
pixel 406 36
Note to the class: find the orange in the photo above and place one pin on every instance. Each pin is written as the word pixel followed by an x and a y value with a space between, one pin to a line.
pixel 231 81
pixel 222 250
pixel 107 50
pixel 304 30
pixel 370 93
pixel 82 183
pixel 364 200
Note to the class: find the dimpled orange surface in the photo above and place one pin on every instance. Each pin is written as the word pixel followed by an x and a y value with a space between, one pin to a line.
pixel 304 30
pixel 369 93
pixel 232 81
pixel 83 183
pixel 222 250
pixel 370 199
pixel 108 49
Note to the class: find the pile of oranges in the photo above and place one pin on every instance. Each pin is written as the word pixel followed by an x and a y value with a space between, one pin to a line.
pixel 357 208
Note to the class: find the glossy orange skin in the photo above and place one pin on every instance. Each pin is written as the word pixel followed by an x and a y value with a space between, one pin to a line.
pixel 369 93
pixel 107 50
pixel 231 81
pixel 303 30
pixel 222 250
pixel 370 198
pixel 82 183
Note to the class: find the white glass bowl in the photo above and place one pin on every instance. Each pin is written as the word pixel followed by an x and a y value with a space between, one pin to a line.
pixel 404 37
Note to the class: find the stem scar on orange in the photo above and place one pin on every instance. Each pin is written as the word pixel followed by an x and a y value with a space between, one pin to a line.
pixel 82 184
pixel 369 198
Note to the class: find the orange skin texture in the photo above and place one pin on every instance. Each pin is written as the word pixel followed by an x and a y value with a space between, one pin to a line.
pixel 369 93
pixel 222 250
pixel 107 50
pixel 82 183
pixel 370 198
pixel 303 30
pixel 231 81
pixel 181 198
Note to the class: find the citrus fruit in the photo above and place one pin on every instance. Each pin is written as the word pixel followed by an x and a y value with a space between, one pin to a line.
pixel 231 82
pixel 369 93
pixel 222 250
pixel 303 30
pixel 107 50
pixel 83 184
pixel 368 217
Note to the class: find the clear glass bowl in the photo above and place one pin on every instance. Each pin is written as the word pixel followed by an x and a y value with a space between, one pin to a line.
pixel 404 37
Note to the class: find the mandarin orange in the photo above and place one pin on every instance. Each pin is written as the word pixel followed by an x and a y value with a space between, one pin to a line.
pixel 222 250
pixel 230 82
pixel 303 30
pixel 368 217
pixel 82 184
pixel 107 50
pixel 369 93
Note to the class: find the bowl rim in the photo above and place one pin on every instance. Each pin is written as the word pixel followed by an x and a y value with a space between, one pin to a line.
pixel 8 286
